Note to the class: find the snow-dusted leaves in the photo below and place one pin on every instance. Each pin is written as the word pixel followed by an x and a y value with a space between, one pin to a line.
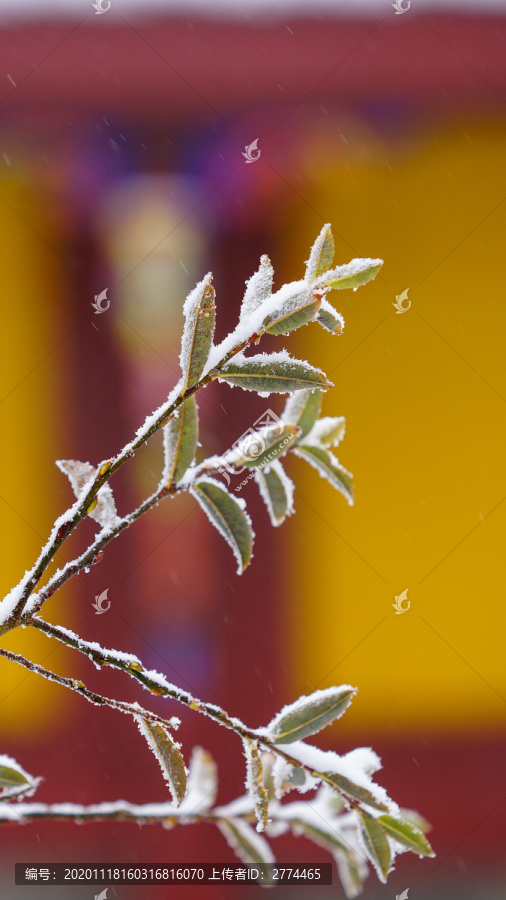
pixel 292 306
pixel 375 844
pixel 309 714
pixel 202 783
pixel 351 275
pixel 102 508
pixel 247 844
pixel 168 755
pixel 180 438
pixel 329 318
pixel 407 834
pixel 302 409
pixel 200 312
pixel 355 792
pixel 258 288
pixel 276 490
pixel 255 784
pixel 328 467
pixel 273 372
pixel 14 781
pixel 228 515
pixel 260 447
pixel 328 431
pixel 321 256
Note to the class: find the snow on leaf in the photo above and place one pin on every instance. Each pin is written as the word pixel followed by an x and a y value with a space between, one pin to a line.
pixel 329 318
pixel 180 438
pixel 261 448
pixel 351 275
pixel 15 783
pixel 302 409
pixel 202 783
pixel 11 773
pixel 229 518
pixel 354 791
pixel 352 873
pixel 80 474
pixel 200 311
pixel 273 372
pixel 326 432
pixel 293 305
pixel 255 784
pixel 407 834
pixel 168 755
pixel 247 844
pixel 309 714
pixel 322 834
pixel 276 490
pixel 375 844
pixel 258 288
pixel 321 256
pixel 328 467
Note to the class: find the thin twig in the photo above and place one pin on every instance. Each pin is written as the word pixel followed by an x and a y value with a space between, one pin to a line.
pixel 79 687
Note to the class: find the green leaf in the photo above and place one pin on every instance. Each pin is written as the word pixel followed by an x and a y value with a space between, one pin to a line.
pixel 255 784
pixel 250 847
pixel 351 275
pixel 198 333
pixel 407 835
pixel 352 873
pixel 262 447
pixel 10 777
pixel 302 409
pixel 258 288
pixel 292 312
pixel 376 845
pixel 328 467
pixel 180 438
pixel 273 374
pixel 167 753
pixel 228 516
pixel 309 714
pixel 329 318
pixel 322 254
pixel 353 791
pixel 323 835
pixel 202 783
pixel 276 490
pixel 327 432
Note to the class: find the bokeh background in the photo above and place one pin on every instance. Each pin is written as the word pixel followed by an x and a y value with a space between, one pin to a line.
pixel 120 166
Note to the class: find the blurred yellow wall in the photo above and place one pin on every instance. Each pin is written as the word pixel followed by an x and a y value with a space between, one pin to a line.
pixel 423 395
pixel 32 378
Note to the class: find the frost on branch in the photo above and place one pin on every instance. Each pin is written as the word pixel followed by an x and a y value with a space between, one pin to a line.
pixel 338 805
